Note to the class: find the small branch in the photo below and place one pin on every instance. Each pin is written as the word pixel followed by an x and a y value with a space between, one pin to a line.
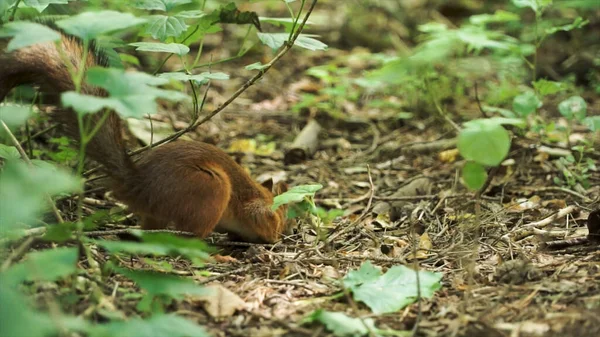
pixel 355 223
pixel 545 222
pixel 250 82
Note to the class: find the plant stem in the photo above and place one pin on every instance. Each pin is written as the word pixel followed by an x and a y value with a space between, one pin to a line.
pixel 12 15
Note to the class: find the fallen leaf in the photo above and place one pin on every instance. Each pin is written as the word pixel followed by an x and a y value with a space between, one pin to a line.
pixel 219 301
pixel 448 156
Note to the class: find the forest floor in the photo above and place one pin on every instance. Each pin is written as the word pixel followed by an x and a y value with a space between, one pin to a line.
pixel 504 274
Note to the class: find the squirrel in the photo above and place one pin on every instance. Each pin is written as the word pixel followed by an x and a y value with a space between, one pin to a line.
pixel 194 185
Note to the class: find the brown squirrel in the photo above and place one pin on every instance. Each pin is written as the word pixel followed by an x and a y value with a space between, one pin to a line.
pixel 195 185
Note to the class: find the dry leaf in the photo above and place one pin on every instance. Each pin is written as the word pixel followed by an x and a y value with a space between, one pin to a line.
pixel 220 301
pixel 448 156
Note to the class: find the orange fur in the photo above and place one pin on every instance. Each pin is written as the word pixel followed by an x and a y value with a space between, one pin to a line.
pixel 193 185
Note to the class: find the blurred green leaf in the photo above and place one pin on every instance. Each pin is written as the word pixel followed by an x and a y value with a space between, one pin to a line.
pixel 9 152
pixel 526 103
pixel 156 47
pixel 131 94
pixel 474 175
pixel 578 23
pixel 156 326
pixel 45 265
pixel 13 116
pixel 545 87
pixel 498 16
pixel 26 34
pixel 537 6
pixel 41 5
pixel 160 5
pixel 23 191
pixel 160 244
pixel 592 122
pixel 342 325
pixel 163 284
pixel 18 319
pixel 88 25
pixel 574 107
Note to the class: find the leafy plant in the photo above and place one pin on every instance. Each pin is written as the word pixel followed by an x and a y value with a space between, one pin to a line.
pixel 26 190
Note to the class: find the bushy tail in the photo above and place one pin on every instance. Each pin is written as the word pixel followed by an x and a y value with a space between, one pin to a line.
pixel 42 65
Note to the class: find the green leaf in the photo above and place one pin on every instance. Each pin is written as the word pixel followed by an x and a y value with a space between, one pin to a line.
pixel 163 284
pixel 19 319
pixel 84 104
pixel 158 325
pixel 545 87
pixel 45 265
pixel 592 122
pixel 41 5
pixel 23 191
pixel 163 26
pixel 9 152
pixel 200 78
pixel 526 103
pixel 578 23
pixel 26 34
pixel 131 94
pixel 295 194
pixel 160 5
pixel 174 48
pixel 88 25
pixel 59 232
pixel 498 16
pixel 340 324
pixel 573 107
pixel 160 244
pixel 536 5
pixel 276 40
pixel 474 175
pixel 14 116
pixel 391 291
pixel 484 143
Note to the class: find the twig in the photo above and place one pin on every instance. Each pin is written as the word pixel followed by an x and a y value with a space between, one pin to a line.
pixel 24 156
pixel 530 228
pixel 479 102
pixel 561 189
pixel 286 47
pixel 545 222
pixel 360 218
pixel 17 253
pixel 231 272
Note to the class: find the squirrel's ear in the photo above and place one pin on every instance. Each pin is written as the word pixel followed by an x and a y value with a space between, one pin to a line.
pixel 280 188
pixel 268 184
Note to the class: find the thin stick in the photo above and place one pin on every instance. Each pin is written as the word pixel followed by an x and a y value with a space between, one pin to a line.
pixel 286 47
